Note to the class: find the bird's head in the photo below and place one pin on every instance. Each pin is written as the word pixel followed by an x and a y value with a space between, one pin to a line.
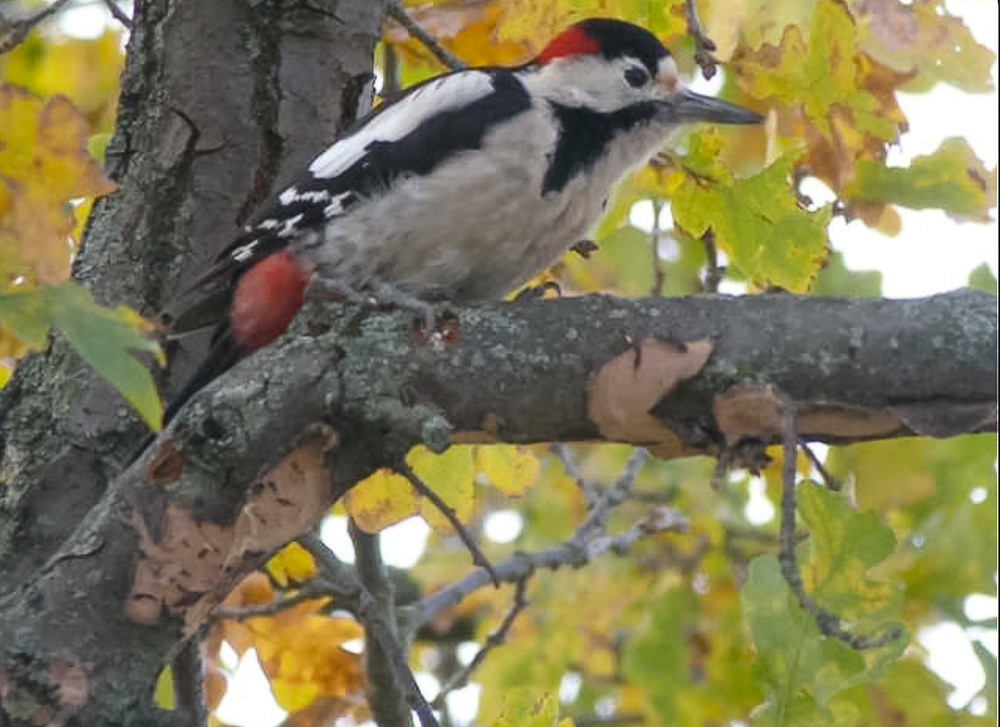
pixel 610 64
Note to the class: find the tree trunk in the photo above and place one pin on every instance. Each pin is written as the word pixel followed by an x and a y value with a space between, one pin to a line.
pixel 221 101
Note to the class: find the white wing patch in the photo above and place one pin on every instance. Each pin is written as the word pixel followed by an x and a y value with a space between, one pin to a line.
pixel 294 195
pixel 336 205
pixel 445 94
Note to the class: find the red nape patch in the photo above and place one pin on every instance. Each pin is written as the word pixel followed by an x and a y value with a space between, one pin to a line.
pixel 574 41
pixel 267 298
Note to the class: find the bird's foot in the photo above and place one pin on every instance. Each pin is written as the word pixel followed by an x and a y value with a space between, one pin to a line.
pixel 389 294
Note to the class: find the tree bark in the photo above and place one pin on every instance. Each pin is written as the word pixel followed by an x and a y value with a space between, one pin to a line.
pixel 221 101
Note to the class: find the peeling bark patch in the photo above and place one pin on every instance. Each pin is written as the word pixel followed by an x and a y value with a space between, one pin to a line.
pixel 623 392
pixel 844 421
pixel 70 682
pixel 166 465
pixel 754 412
pixel 191 566
pixel 748 412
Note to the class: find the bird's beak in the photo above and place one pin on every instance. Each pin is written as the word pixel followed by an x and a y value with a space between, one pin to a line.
pixel 686 106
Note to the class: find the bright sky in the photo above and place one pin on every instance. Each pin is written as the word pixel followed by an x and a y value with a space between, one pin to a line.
pixel 929 256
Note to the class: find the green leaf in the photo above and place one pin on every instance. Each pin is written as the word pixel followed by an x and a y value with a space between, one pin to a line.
pixel 658 660
pixel 952 179
pixel 982 278
pixel 926 40
pixel 818 70
pixel 758 224
pixel 530 707
pixel 836 279
pixel 801 669
pixel 844 545
pixel 106 338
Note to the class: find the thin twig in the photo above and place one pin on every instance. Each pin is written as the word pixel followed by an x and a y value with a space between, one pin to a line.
pixel 659 276
pixel 356 598
pixel 714 272
pixel 562 452
pixel 575 553
pixel 829 623
pixel 397 12
pixel 313 590
pixel 15 31
pixel 478 557
pixel 618 720
pixel 495 639
pixel 831 482
pixel 120 15
pixel 703 45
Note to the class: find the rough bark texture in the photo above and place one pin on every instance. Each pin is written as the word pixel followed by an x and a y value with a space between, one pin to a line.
pixel 220 102
pixel 104 572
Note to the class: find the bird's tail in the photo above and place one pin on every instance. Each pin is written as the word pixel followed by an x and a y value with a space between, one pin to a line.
pixel 221 356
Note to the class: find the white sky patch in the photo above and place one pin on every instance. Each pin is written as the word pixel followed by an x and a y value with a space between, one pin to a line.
pixel 463 704
pixel 248 701
pixel 503 526
pixel 950 656
pixel 404 543
pixel 759 509
pixel 333 533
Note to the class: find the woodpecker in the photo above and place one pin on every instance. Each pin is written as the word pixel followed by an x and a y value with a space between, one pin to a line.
pixel 466 186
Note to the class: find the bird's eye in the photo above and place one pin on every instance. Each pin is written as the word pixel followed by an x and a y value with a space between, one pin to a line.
pixel 636 76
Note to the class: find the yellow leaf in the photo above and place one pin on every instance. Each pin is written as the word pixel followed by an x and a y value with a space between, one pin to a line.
pixel 451 475
pixel 44 164
pixel 511 469
pixel 381 500
pixel 292 565
pixel 294 695
pixel 163 694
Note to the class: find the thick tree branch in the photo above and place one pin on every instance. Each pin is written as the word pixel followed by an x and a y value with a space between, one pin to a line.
pixel 345 392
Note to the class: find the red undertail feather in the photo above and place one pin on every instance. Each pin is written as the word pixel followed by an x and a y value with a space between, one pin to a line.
pixel 266 300
pixel 573 41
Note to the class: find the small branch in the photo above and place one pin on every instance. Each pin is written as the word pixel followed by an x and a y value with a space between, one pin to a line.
pixel 15 31
pixel 495 639
pixel 714 273
pixel 188 682
pixel 563 453
pixel 659 276
pixel 313 590
pixel 478 558
pixel 120 15
pixel 703 45
pixel 378 628
pixel 587 544
pixel 397 12
pixel 830 624
pixel 619 720
pixel 385 664
pixel 831 482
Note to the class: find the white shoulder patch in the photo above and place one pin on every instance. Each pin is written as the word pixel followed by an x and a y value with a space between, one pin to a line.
pixel 444 94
